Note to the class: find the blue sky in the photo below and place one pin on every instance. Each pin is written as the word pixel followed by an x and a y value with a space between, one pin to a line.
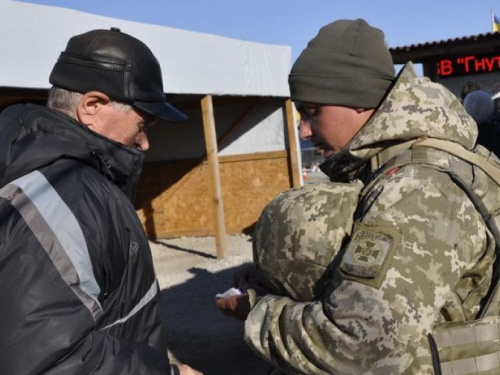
pixel 295 22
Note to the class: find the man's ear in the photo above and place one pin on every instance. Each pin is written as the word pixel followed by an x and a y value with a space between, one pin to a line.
pixel 367 113
pixel 90 106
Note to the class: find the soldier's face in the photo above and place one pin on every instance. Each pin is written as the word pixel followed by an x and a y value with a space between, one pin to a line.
pixel 330 127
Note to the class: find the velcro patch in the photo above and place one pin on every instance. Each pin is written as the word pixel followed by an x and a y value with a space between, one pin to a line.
pixel 369 254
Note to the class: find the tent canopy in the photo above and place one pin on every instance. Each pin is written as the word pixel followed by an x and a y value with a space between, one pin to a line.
pixel 234 92
pixel 192 63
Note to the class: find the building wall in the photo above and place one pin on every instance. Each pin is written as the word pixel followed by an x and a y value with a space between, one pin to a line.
pixel 175 198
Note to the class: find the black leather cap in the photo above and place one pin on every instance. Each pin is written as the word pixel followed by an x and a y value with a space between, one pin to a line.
pixel 118 65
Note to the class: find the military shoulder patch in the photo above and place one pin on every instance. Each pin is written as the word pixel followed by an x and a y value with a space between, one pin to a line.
pixel 369 254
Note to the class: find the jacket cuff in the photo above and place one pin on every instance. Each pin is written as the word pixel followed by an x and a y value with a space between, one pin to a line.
pixel 253 298
pixel 174 370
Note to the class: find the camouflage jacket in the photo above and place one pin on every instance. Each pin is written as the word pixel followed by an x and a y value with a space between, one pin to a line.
pixel 419 254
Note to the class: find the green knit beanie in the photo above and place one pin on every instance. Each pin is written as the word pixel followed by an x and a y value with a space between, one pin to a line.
pixel 346 64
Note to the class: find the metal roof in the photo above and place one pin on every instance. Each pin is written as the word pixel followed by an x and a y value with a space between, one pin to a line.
pixel 421 52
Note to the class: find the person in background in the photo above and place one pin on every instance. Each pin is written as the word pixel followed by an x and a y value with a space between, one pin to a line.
pixel 467 88
pixel 495 87
pixel 420 253
pixel 78 288
pixel 480 105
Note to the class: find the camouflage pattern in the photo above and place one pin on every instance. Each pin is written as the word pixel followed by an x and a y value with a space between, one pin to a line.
pixel 299 233
pixel 468 348
pixel 420 254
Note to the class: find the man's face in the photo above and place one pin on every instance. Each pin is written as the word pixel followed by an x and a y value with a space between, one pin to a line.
pixel 123 126
pixel 330 127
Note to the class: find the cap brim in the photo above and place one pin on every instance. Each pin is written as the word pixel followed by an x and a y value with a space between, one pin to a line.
pixel 161 110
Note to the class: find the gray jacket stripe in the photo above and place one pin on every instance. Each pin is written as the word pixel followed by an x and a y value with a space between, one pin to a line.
pixel 150 294
pixel 45 212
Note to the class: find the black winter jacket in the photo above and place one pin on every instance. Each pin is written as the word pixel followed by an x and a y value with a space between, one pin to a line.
pixel 78 293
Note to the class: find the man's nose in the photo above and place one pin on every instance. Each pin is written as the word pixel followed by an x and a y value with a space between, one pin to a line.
pixel 143 141
pixel 305 129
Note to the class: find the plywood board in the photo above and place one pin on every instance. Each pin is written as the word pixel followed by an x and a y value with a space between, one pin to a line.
pixel 174 198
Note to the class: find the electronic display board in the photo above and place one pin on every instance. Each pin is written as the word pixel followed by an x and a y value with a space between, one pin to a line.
pixel 467 65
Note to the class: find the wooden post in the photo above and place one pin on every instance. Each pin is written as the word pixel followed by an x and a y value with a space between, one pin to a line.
pixel 293 144
pixel 213 163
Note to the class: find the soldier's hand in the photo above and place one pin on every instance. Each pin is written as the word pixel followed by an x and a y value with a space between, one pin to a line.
pixel 186 370
pixel 235 306
pixel 248 278
pixel 244 276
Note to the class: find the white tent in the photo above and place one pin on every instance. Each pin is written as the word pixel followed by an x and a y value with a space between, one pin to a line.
pixel 242 85
pixel 192 62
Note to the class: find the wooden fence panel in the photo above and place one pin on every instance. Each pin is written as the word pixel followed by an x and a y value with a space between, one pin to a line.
pixel 174 198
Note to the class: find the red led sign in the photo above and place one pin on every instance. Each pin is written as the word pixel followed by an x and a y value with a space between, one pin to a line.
pixel 470 64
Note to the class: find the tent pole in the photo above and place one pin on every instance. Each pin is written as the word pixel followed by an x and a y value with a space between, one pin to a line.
pixel 293 145
pixel 213 163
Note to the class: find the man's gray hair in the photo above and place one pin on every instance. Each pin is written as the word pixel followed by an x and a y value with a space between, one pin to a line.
pixel 65 100
pixel 62 99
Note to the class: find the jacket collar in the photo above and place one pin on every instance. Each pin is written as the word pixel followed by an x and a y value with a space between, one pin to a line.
pixel 414 107
pixel 39 136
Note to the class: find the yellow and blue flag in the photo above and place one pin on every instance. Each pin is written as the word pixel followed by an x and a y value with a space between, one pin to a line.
pixel 495 22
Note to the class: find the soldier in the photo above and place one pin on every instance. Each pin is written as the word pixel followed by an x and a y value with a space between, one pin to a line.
pixel 420 253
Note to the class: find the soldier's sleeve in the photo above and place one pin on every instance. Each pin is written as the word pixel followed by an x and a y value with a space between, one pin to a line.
pixel 418 245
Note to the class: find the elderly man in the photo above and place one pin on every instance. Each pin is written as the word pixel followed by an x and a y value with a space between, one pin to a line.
pixel 78 288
